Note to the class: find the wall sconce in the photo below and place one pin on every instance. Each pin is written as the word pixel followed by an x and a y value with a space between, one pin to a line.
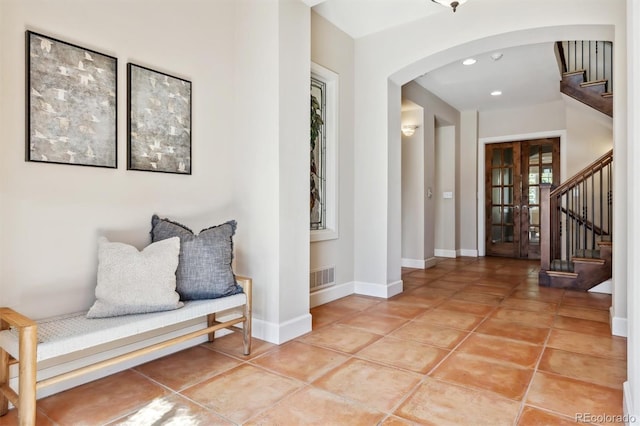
pixel 409 129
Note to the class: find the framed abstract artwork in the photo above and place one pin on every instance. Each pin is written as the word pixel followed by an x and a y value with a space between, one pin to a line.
pixel 71 104
pixel 158 121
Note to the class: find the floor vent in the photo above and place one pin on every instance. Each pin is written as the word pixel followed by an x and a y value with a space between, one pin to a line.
pixel 321 278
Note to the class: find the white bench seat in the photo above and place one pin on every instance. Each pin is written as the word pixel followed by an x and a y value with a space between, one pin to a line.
pixel 26 342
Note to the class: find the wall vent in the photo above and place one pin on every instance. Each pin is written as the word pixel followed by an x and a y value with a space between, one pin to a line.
pixel 321 278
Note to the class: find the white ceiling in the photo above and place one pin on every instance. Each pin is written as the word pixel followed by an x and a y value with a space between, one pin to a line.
pixel 526 75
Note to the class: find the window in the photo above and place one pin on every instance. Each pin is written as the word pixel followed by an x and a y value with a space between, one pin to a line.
pixel 323 151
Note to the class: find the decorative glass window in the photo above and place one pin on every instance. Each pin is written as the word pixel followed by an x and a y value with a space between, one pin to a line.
pixel 323 151
pixel 318 196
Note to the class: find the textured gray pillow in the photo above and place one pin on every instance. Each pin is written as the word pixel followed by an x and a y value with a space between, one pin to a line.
pixel 136 282
pixel 204 271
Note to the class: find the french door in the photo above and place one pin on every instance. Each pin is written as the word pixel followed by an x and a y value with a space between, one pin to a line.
pixel 514 172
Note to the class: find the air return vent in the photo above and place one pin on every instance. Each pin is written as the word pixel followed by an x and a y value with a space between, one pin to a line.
pixel 321 278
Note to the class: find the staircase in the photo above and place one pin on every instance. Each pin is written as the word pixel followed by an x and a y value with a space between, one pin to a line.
pixel 576 224
pixel 587 72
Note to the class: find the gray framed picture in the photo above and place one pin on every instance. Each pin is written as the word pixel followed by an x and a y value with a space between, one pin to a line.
pixel 71 104
pixel 158 121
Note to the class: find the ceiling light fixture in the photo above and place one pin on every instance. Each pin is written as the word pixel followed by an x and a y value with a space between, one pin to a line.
pixel 496 93
pixel 409 129
pixel 449 3
pixel 469 61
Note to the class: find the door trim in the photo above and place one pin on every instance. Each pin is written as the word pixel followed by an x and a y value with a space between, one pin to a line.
pixel 562 134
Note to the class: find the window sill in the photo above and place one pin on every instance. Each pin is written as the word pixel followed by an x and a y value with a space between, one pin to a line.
pixel 323 235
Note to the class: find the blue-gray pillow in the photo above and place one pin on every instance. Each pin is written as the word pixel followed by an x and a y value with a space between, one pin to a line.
pixel 204 268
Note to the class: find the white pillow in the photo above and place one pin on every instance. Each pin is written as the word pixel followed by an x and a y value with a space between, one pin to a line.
pixel 136 282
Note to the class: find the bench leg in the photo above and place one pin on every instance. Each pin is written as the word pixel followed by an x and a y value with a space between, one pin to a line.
pixel 211 320
pixel 27 376
pixel 246 330
pixel 4 380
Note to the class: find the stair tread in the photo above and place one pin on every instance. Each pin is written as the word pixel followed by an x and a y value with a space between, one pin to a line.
pixel 570 73
pixel 607 95
pixel 594 83
pixel 591 260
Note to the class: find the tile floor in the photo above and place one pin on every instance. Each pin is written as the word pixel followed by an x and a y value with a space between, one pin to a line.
pixel 470 341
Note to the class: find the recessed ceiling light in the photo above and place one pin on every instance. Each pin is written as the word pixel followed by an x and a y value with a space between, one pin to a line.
pixel 496 93
pixel 469 61
pixel 496 56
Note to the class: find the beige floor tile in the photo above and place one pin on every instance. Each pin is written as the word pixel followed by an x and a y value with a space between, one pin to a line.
pixel 11 419
pixel 396 421
pixel 406 354
pixel 584 313
pixel 544 319
pixel 101 401
pixel 188 367
pixel 602 371
pixel 231 344
pixel 433 293
pixel 540 294
pixel 529 305
pixel 172 410
pixel 396 309
pixel 415 300
pixel 466 307
pixel 589 344
pixel 328 314
pixel 573 397
pixel 453 319
pixel 587 300
pixel 359 303
pixel 487 289
pixel 341 338
pixel 374 322
pixel 242 392
pixel 447 285
pixel 442 404
pixel 512 330
pixel 316 407
pixel 582 325
pixel 476 372
pixel 301 361
pixel 533 417
pixel 431 334
pixel 487 299
pixel 498 349
pixel 371 384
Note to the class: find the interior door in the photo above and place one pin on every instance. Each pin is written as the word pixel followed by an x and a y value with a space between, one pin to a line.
pixel 514 172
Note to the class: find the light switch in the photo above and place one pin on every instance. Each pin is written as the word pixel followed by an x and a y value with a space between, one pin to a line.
pixel 447 195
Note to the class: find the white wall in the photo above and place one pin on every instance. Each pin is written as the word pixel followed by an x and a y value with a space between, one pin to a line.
pixel 632 386
pixel 413 191
pixel 467 192
pixel 334 50
pixel 248 61
pixel 396 56
pixel 522 120
pixel 445 209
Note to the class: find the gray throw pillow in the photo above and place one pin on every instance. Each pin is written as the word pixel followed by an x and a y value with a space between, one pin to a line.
pixel 204 270
pixel 136 282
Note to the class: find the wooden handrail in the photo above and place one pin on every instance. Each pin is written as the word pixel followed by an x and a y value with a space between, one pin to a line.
pixel 592 168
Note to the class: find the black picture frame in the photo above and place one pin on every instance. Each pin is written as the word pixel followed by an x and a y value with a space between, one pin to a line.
pixel 71 104
pixel 158 121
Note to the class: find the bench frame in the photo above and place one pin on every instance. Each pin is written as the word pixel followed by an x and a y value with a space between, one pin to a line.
pixel 25 399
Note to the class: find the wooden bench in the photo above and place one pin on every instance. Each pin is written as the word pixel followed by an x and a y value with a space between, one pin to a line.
pixel 26 342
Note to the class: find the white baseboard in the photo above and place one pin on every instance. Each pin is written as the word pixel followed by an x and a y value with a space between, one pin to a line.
pixel 444 253
pixel 467 253
pixel 629 415
pixel 281 333
pixel 605 287
pixel 430 262
pixel 618 324
pixel 412 263
pixel 330 294
pixel 378 290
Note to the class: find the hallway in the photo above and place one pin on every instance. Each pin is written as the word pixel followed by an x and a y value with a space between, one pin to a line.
pixel 470 341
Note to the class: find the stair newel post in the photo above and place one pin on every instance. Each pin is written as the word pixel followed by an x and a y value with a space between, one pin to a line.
pixel 545 226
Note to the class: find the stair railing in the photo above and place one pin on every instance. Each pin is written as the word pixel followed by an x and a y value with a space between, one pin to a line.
pixel 594 57
pixel 576 214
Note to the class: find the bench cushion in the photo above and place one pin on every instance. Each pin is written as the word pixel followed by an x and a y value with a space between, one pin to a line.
pixel 74 332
